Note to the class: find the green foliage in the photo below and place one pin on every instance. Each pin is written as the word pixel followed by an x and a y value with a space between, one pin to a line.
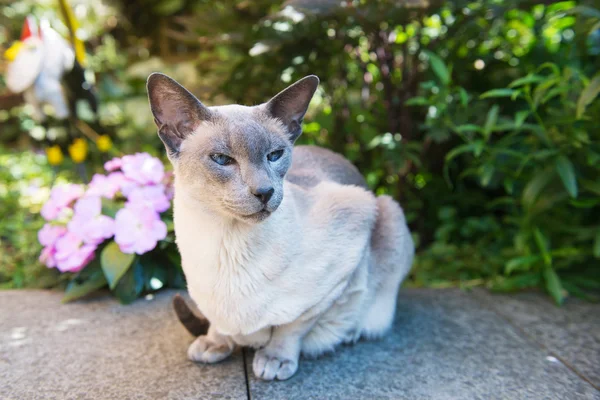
pixel 480 117
pixel 24 184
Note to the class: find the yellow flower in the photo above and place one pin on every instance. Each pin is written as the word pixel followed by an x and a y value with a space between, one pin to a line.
pixel 11 53
pixel 55 155
pixel 78 150
pixel 104 143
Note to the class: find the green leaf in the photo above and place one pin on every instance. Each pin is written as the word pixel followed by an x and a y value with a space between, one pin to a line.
pixel 523 263
pixel 438 67
pixel 497 93
pixel 520 117
pixel 154 266
pixel 535 186
pixel 416 101
pixel 526 80
pixel 467 128
pixel 131 284
pixel 566 171
pixel 464 97
pixel 487 172
pixel 555 92
pixel 474 147
pixel 551 66
pixel 490 122
pixel 114 263
pixel 553 285
pixel 597 245
pixel 588 95
pixel 542 244
pixel 88 281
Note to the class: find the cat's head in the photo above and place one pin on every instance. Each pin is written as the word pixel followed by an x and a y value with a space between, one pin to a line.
pixel 232 158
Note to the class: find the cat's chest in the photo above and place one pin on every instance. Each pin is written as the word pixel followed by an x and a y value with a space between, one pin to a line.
pixel 228 276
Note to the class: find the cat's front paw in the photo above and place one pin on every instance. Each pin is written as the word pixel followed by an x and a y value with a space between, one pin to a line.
pixel 269 366
pixel 205 350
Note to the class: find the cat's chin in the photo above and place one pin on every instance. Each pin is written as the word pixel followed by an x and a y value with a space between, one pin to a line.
pixel 256 217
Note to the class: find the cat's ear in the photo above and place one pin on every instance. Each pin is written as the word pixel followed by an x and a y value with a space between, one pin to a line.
pixel 177 112
pixel 291 104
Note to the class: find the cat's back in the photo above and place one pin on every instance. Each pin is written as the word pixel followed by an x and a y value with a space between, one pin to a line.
pixel 312 165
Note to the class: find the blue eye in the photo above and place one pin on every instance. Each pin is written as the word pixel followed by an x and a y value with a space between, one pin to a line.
pixel 221 159
pixel 275 155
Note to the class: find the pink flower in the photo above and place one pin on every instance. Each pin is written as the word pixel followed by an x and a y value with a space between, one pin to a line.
pixel 138 229
pixel 102 185
pixel 60 198
pixel 113 164
pixel 49 234
pixel 89 224
pixel 47 256
pixel 143 168
pixel 151 196
pixel 71 254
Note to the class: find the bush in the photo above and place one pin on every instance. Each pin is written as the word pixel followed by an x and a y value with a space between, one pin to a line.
pixel 481 117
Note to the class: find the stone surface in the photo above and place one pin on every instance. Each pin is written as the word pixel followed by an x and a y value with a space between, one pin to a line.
pixel 571 332
pixel 98 349
pixel 444 345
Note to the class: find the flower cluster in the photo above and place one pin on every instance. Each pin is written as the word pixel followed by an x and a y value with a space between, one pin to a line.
pixel 137 184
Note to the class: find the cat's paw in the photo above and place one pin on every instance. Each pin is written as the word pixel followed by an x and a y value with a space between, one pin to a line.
pixel 269 366
pixel 207 351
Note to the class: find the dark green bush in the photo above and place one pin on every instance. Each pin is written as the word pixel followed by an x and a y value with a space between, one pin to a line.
pixel 481 117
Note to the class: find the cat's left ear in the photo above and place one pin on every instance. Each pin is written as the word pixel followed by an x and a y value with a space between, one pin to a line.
pixel 291 104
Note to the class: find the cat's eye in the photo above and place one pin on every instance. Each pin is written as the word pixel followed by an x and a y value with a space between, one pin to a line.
pixel 274 155
pixel 221 159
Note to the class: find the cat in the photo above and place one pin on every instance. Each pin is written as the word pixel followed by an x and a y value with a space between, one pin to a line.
pixel 284 248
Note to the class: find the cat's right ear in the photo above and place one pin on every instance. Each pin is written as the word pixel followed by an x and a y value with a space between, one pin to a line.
pixel 177 112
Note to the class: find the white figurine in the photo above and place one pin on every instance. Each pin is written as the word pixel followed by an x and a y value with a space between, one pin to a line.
pixel 37 64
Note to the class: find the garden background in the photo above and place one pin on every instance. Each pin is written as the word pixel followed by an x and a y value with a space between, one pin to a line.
pixel 481 117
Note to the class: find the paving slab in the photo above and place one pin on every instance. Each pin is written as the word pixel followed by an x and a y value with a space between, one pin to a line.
pixel 445 344
pixel 99 349
pixel 571 332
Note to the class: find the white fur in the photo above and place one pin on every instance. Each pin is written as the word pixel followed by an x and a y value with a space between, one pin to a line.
pixel 303 280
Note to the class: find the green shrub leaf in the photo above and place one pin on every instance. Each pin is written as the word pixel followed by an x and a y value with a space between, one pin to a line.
pixel 497 93
pixel 114 263
pixel 588 95
pixel 532 78
pixel 474 147
pixel 88 281
pixel 416 101
pixel 520 117
pixel 566 171
pixel 523 263
pixel 490 122
pixel 553 285
pixel 438 67
pixel 535 186
pixel 131 284
pixel 543 246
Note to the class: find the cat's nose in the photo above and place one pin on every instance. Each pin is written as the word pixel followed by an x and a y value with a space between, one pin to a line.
pixel 264 194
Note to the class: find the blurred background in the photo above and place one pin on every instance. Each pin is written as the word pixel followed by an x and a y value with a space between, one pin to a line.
pixel 481 117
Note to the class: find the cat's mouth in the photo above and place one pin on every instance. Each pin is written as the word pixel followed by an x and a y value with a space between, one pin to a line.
pixel 258 216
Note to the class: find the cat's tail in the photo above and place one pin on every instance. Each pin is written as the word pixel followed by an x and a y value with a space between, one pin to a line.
pixel 194 324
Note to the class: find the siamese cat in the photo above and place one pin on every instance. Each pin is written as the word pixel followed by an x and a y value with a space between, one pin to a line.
pixel 284 248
